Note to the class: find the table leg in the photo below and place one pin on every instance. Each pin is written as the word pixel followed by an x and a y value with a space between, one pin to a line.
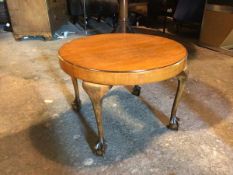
pixel 174 121
pixel 136 90
pixel 96 93
pixel 77 102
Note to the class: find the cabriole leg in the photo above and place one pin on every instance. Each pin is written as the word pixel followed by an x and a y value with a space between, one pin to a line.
pixel 77 102
pixel 96 93
pixel 174 121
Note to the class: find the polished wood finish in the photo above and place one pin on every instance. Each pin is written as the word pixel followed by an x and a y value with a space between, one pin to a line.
pixel 36 17
pixel 96 93
pixel 182 78
pixel 123 59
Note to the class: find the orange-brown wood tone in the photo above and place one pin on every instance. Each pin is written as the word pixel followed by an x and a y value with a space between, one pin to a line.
pixel 123 59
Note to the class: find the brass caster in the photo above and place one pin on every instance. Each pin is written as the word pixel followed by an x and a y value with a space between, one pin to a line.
pixel 173 124
pixel 100 148
pixel 76 105
pixel 136 90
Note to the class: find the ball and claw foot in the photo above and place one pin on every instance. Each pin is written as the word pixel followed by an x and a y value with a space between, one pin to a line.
pixel 136 90
pixel 100 148
pixel 173 124
pixel 76 105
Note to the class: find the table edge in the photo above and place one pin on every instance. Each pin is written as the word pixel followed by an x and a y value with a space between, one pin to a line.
pixel 124 78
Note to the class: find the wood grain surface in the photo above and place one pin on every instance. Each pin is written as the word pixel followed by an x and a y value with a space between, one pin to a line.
pixel 123 58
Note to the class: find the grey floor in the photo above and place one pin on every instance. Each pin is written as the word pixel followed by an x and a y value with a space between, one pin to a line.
pixel 41 134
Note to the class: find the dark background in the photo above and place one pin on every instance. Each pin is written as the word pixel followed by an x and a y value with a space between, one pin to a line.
pixel 221 2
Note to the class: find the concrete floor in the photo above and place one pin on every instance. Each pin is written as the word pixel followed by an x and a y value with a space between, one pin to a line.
pixel 40 134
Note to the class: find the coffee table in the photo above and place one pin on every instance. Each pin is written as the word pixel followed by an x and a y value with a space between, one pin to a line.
pixel 102 61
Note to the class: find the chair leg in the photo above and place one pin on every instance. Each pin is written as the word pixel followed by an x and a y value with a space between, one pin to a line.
pixel 96 93
pixel 114 21
pixel 174 121
pixel 164 24
pixel 177 26
pixel 76 105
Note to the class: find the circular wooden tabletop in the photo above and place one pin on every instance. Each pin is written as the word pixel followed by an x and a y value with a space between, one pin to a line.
pixel 123 59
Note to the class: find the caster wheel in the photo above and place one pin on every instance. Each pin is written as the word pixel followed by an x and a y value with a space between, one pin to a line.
pixel 76 105
pixel 174 124
pixel 136 90
pixel 100 148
